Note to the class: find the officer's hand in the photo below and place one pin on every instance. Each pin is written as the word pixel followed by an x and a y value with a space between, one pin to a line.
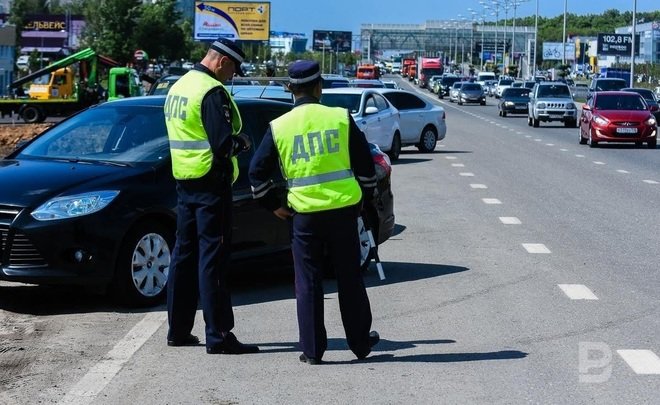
pixel 283 213
pixel 247 142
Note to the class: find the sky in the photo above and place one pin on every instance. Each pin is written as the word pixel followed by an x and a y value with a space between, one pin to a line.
pixel 304 16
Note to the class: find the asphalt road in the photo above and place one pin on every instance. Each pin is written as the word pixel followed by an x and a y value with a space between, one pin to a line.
pixel 524 270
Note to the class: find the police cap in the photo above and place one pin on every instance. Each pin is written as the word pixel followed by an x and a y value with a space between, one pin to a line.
pixel 304 71
pixel 232 51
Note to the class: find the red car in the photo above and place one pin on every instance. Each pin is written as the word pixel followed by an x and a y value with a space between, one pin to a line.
pixel 617 116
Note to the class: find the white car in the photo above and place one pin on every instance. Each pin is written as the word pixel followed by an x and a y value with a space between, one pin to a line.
pixel 501 85
pixel 422 123
pixel 373 114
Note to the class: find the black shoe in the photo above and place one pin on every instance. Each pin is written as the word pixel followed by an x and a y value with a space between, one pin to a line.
pixel 190 340
pixel 374 338
pixel 309 360
pixel 231 345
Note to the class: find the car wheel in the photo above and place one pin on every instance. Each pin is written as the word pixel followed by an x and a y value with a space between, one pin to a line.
pixel 582 140
pixel 652 144
pixel 483 103
pixel 31 114
pixel 503 113
pixel 529 121
pixel 535 122
pixel 427 140
pixel 143 265
pixel 395 149
pixel 592 143
pixel 459 102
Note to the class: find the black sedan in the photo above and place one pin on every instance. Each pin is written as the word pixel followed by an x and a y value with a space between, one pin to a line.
pixel 514 101
pixel 92 200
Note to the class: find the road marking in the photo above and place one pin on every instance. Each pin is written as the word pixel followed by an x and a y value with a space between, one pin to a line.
pixel 641 361
pixel 549 144
pixel 563 150
pixel 596 162
pixel 482 186
pixel 623 171
pixel 650 182
pixel 466 174
pixel 577 292
pixel 450 157
pixel 457 165
pixel 100 375
pixel 510 221
pixel 528 136
pixel 580 156
pixel 538 140
pixel 535 248
pixel 519 133
pixel 491 201
pixel 441 146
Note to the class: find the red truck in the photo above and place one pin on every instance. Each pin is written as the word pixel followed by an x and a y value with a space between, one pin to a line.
pixel 428 67
pixel 406 63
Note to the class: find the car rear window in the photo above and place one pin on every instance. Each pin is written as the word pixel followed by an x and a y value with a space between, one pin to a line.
pixel 351 102
pixel 516 92
pixel 605 85
pixel 554 90
pixel 471 87
pixel 620 102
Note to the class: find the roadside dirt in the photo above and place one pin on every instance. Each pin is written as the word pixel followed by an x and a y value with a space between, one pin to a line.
pixel 10 135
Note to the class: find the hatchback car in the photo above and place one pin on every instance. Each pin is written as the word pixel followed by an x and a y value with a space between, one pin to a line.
pixel 422 123
pixel 92 201
pixel 454 91
pixel 649 98
pixel 514 101
pixel 445 84
pixel 373 114
pixel 471 93
pixel 617 116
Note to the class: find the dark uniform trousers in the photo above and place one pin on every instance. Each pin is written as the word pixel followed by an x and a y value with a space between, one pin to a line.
pixel 199 263
pixel 334 231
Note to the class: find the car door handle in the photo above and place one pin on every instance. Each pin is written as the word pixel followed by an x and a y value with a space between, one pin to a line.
pixel 364 122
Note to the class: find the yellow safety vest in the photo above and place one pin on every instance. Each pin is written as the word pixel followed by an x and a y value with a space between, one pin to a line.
pixel 189 144
pixel 312 142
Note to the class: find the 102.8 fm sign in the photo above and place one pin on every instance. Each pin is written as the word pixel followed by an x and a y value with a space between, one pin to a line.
pixel 616 44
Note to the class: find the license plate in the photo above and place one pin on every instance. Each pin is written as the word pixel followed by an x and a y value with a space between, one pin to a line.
pixel 626 130
pixel 556 115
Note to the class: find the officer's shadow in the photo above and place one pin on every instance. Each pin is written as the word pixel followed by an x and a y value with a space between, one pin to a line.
pixel 386 345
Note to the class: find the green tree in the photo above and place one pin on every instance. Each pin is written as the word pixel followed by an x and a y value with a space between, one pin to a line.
pixel 157 33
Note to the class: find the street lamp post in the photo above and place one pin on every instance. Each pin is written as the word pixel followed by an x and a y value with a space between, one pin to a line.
pixel 483 28
pixel 563 39
pixel 632 52
pixel 536 36
pixel 497 17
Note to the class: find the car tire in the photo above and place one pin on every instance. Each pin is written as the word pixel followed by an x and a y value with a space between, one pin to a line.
pixel 148 247
pixel 459 102
pixel 535 122
pixel 395 149
pixel 582 140
pixel 529 121
pixel 483 103
pixel 32 114
pixel 652 144
pixel 592 143
pixel 503 113
pixel 428 139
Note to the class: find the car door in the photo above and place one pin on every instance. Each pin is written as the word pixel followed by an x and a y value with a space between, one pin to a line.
pixel 586 116
pixel 412 117
pixel 389 117
pixel 370 124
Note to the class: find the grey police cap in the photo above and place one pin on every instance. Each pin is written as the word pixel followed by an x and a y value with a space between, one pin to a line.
pixel 304 71
pixel 231 50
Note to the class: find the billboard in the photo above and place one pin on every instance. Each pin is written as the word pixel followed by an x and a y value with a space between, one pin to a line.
pixel 338 41
pixel 247 21
pixel 552 51
pixel 616 44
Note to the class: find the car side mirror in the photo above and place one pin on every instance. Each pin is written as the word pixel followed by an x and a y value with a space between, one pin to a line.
pixel 370 110
pixel 586 107
pixel 653 108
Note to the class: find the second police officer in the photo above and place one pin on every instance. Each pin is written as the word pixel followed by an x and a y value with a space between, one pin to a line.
pixel 326 161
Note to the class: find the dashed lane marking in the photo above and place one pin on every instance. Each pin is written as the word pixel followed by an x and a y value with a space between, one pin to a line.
pixel 596 162
pixel 478 186
pixel 457 165
pixel 579 156
pixel 491 201
pixel 641 361
pixel 528 136
pixel 538 140
pixel 577 291
pixel 623 171
pixel 549 144
pixel 536 248
pixel 466 174
pixel 510 221
pixel 450 157
pixel 563 150
pixel 650 182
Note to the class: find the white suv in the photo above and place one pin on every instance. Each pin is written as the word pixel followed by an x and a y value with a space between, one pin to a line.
pixel 551 101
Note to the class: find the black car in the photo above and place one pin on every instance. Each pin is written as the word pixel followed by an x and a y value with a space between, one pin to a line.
pixel 91 201
pixel 514 100
pixel 649 98
pixel 445 84
pixel 606 84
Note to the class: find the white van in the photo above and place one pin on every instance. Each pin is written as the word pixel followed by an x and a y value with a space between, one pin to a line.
pixel 23 62
pixel 483 76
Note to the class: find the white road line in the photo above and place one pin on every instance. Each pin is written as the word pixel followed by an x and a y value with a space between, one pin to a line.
pixel 450 157
pixel 650 182
pixel 519 133
pixel 535 248
pixel 623 171
pixel 441 146
pixel 457 165
pixel 100 375
pixel 641 361
pixel 549 144
pixel 580 156
pixel 577 291
pixel 563 150
pixel 466 174
pixel 510 221
pixel 491 201
pixel 528 136
pixel 481 186
pixel 538 140
pixel 596 162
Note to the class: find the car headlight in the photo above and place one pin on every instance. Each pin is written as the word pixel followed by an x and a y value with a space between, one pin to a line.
pixel 463 95
pixel 651 121
pixel 541 106
pixel 509 103
pixel 570 106
pixel 74 205
pixel 600 120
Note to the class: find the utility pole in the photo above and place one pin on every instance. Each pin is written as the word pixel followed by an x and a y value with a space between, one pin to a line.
pixel 536 37
pixel 632 52
pixel 563 38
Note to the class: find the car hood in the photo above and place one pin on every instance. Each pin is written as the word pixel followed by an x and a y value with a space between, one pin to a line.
pixel 28 183
pixel 618 115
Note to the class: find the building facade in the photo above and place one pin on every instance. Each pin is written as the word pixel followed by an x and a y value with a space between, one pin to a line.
pixel 287 42
pixel 649 42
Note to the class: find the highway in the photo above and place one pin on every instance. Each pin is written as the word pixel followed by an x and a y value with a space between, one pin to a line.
pixel 523 270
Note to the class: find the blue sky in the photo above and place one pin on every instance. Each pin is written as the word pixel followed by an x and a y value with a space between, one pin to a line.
pixel 343 15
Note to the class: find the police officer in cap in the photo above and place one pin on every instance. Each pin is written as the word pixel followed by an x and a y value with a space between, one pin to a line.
pixel 326 161
pixel 204 129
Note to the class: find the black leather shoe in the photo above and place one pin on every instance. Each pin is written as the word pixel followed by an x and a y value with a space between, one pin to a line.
pixel 190 340
pixel 374 338
pixel 309 360
pixel 231 345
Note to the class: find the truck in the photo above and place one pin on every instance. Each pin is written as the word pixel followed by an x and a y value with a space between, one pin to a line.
pixel 426 68
pixel 68 86
pixel 405 66
pixel 368 72
pixel 396 64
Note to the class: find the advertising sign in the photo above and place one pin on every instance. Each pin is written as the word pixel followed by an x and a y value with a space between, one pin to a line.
pixel 247 21
pixel 337 41
pixel 616 44
pixel 552 51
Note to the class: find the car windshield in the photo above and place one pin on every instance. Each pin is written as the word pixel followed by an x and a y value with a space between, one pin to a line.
pixel 163 87
pixel 120 134
pixel 647 94
pixel 619 102
pixel 515 92
pixel 605 85
pixel 457 85
pixel 554 90
pixel 450 80
pixel 471 87
pixel 351 102
pixel 505 82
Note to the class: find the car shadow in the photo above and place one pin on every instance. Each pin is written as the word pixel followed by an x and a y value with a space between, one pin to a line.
pixel 250 282
pixel 622 146
pixel 398 230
